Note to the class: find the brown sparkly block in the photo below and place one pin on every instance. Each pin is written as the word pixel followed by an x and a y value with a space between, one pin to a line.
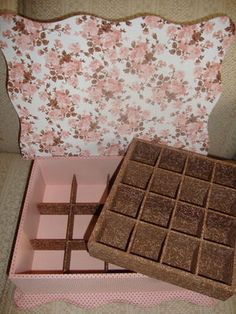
pixel 171 215
pixel 116 231
pixel 188 219
pixel 132 175
pixel 181 252
pixel 146 153
pixel 223 199
pixel 225 175
pixel 172 160
pixel 165 183
pixel 199 167
pixel 220 229
pixel 127 201
pixel 148 241
pixel 157 209
pixel 194 191
pixel 216 263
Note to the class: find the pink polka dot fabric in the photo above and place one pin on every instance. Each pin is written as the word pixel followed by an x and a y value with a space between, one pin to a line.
pixel 92 300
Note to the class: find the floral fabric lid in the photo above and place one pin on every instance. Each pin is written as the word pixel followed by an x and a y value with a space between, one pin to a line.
pixel 86 86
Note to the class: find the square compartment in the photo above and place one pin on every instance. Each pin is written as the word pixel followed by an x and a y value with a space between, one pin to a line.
pixel 127 200
pixel 45 229
pixel 82 261
pixel 194 191
pixel 181 252
pixel 199 168
pixel 223 199
pixel 188 219
pixel 216 263
pixel 220 229
pixel 172 160
pixel 81 225
pixel 146 153
pixel 165 183
pixel 225 175
pixel 45 260
pixel 116 231
pixel 137 175
pixel 157 209
pixel 148 241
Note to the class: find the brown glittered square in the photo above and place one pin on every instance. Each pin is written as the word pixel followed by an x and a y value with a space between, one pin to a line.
pixel 223 199
pixel 127 200
pixel 181 252
pixel 216 263
pixel 194 191
pixel 172 160
pixel 116 231
pixel 146 153
pixel 148 241
pixel 199 168
pixel 137 175
pixel 157 209
pixel 188 219
pixel 220 229
pixel 165 183
pixel 225 175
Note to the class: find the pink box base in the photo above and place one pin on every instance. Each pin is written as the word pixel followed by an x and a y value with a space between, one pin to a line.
pixel 92 300
pixel 87 286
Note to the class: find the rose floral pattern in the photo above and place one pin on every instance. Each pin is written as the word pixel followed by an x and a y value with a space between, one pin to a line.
pixel 86 86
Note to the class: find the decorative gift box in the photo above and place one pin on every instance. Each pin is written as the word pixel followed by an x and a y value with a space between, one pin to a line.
pixel 86 86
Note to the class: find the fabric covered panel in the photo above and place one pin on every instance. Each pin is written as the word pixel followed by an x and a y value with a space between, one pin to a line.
pixel 222 127
pixel 86 86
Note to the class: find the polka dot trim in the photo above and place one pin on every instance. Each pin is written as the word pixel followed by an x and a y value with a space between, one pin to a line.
pixel 92 300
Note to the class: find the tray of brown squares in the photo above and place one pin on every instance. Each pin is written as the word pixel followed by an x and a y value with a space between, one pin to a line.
pixel 171 215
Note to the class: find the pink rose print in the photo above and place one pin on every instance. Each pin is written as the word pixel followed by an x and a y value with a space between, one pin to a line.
pixel 186 33
pixel 160 48
pixel 71 68
pixel 17 71
pixel 113 85
pixel 74 47
pixel 110 39
pixel 75 98
pixel 52 58
pixel 24 42
pixel 153 22
pixel 86 86
pixel 36 68
pixel 84 123
pixel 47 137
pixel 57 151
pixel 90 27
pixel 94 65
pixel 209 26
pixel 138 52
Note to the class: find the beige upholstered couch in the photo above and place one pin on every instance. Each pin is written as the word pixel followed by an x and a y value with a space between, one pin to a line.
pixel 14 171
